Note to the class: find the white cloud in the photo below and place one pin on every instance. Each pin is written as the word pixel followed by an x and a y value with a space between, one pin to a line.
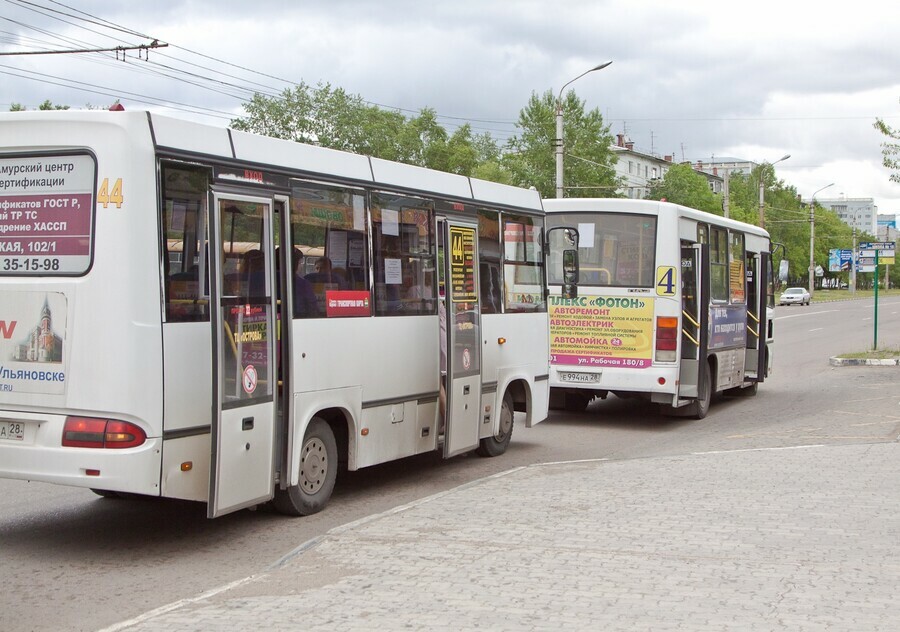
pixel 692 79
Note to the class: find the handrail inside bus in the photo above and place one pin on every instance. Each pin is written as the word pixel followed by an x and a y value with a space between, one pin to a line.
pixel 690 318
pixel 690 337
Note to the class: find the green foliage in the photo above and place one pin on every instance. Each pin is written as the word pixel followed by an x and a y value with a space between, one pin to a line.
pixel 332 118
pixel 588 162
pixel 46 105
pixel 890 150
pixel 682 185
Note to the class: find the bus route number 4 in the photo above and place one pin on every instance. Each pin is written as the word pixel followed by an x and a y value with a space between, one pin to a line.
pixel 665 281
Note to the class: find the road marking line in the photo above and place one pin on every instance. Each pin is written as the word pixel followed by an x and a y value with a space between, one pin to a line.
pixel 175 605
pixel 827 311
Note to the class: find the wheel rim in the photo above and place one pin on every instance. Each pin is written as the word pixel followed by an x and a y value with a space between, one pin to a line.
pixel 314 468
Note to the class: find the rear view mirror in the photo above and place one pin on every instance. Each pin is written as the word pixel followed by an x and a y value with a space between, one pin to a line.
pixel 570 273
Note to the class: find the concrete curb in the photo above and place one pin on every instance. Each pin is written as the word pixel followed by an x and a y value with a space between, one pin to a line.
pixel 863 362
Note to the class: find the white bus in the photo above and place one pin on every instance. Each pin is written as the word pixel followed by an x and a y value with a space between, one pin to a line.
pixel 169 326
pixel 672 306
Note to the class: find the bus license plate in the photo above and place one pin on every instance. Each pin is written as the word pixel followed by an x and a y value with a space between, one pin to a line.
pixel 12 431
pixel 571 376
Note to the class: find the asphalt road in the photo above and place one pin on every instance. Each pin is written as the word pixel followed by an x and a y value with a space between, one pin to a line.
pixel 72 561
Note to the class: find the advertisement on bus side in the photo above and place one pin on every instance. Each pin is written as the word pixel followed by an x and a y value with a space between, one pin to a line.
pixel 32 342
pixel 46 209
pixel 602 331
pixel 727 326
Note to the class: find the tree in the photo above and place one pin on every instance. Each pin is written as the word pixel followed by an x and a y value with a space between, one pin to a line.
pixel 682 185
pixel 332 118
pixel 46 105
pixel 890 150
pixel 589 163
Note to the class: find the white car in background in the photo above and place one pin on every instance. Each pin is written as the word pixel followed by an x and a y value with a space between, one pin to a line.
pixel 794 296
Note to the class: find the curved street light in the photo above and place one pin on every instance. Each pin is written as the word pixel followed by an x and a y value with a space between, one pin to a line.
pixel 762 212
pixel 559 128
pixel 812 238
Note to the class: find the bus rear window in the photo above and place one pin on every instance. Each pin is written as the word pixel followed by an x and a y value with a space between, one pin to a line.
pixel 46 214
pixel 614 250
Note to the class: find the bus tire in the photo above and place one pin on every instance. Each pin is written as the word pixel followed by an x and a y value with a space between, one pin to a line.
pixel 318 471
pixel 577 402
pixel 701 406
pixel 496 445
pixel 106 493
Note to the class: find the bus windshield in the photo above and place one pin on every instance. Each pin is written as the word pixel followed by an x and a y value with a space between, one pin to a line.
pixel 615 250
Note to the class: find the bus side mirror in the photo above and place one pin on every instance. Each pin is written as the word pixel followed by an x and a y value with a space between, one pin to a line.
pixel 570 274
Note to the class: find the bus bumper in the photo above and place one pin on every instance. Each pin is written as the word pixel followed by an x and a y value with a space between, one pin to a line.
pixel 39 456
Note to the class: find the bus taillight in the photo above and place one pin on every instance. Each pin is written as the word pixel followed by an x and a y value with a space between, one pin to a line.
pixel 89 432
pixel 666 338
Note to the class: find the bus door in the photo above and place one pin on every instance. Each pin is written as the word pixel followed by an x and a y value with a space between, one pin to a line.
pixel 242 318
pixel 694 316
pixel 458 249
pixel 757 321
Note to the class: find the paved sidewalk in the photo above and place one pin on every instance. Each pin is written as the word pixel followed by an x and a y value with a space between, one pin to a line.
pixel 789 539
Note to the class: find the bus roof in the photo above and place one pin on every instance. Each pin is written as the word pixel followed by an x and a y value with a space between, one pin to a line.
pixel 179 136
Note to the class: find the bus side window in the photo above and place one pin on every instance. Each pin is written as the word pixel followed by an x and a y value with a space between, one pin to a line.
pixel 329 234
pixel 718 263
pixel 182 224
pixel 404 254
pixel 490 275
pixel 523 262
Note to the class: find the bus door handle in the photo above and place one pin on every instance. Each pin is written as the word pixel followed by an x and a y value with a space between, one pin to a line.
pixel 247 423
pixel 466 389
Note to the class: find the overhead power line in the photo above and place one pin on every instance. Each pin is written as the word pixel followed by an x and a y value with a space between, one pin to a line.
pixel 118 49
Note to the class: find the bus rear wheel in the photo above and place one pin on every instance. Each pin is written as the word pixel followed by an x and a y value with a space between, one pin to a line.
pixel 318 471
pixel 106 493
pixel 705 388
pixel 496 445
pixel 576 402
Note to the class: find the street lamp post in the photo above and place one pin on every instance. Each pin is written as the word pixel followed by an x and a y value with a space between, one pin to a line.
pixel 559 129
pixel 762 188
pixel 812 239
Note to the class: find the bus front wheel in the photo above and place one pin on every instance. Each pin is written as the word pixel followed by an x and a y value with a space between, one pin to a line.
pixel 496 445
pixel 318 471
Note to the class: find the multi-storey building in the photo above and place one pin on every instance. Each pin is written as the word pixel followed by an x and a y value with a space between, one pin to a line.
pixel 858 213
pixel 639 170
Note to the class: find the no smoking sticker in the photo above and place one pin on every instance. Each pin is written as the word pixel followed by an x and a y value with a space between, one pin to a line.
pixel 250 379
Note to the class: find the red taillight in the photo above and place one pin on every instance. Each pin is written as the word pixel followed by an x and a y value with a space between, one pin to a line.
pixel 88 432
pixel 121 434
pixel 666 333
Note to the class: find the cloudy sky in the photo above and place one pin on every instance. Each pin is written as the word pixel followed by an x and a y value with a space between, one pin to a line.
pixel 696 79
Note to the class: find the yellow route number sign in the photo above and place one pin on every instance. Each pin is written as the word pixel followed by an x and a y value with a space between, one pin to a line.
pixel 665 281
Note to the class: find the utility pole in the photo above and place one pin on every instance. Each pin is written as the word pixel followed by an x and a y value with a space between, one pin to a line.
pixel 725 193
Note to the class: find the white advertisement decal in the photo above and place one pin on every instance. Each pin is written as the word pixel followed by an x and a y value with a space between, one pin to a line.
pixel 33 342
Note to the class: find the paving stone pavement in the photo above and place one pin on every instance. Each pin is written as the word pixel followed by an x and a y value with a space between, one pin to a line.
pixel 783 539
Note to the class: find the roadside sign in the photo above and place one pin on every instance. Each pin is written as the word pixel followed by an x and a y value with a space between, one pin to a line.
pixel 884 256
pixel 839 259
pixel 877 245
